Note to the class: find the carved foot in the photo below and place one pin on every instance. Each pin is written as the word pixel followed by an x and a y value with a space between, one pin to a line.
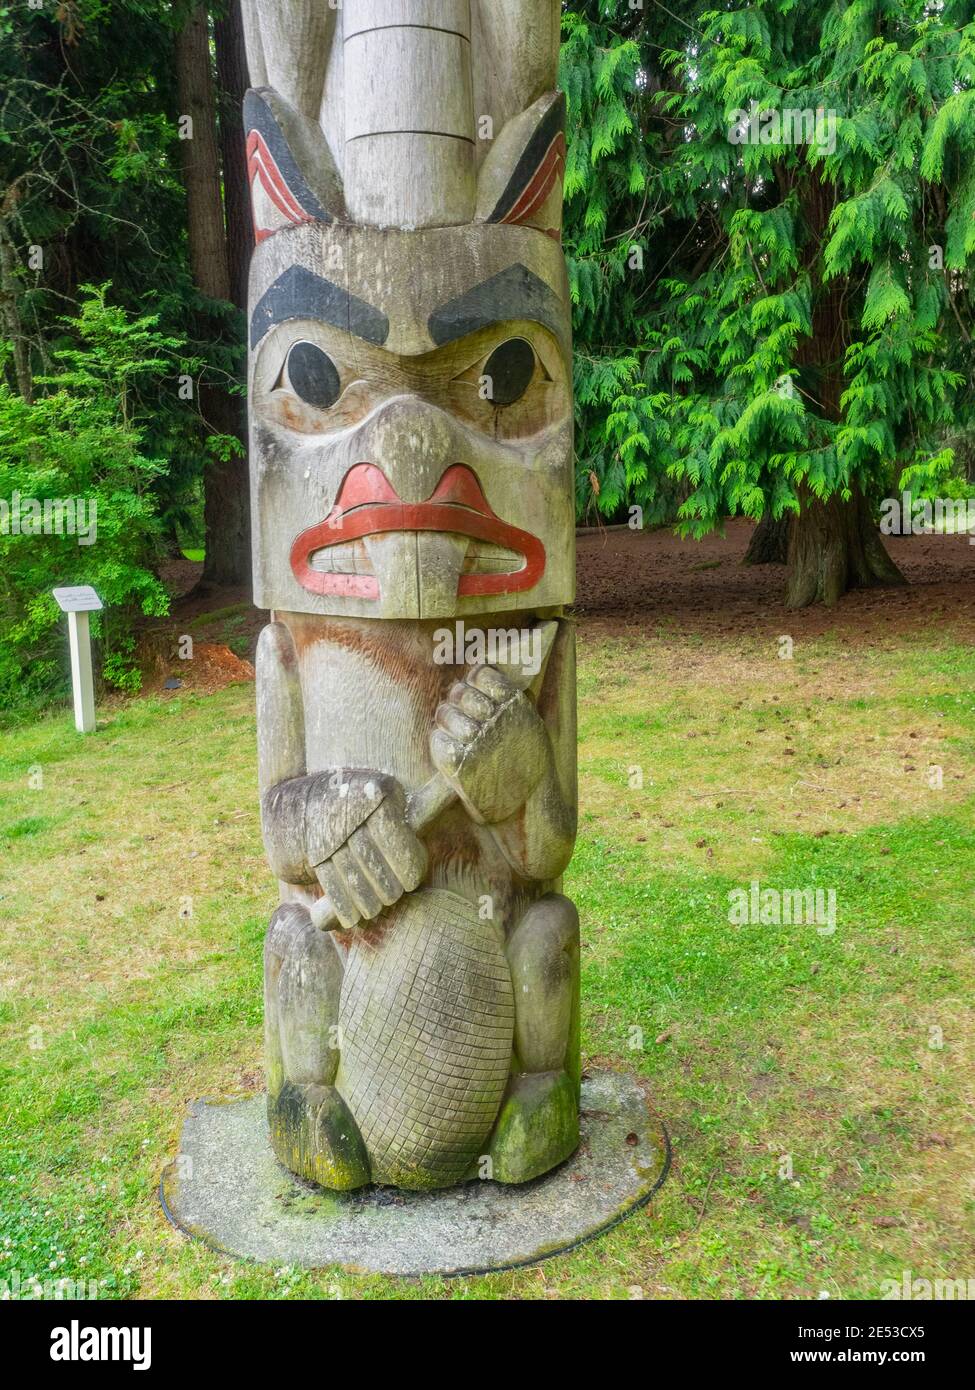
pixel 538 1127
pixel 313 1134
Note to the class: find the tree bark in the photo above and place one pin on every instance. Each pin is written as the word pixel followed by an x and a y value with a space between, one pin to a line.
pixel 201 161
pixel 232 86
pixel 225 482
pixel 769 544
pixel 227 500
pixel 835 546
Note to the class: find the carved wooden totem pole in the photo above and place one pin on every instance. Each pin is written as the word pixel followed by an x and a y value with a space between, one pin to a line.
pixel 413 521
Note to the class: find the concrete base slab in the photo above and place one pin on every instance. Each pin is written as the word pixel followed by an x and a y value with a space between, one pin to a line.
pixel 226 1188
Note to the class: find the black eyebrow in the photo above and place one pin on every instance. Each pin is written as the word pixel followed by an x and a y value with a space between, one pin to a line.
pixel 515 293
pixel 299 294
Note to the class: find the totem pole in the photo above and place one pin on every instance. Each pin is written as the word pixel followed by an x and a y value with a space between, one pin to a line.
pixel 413 522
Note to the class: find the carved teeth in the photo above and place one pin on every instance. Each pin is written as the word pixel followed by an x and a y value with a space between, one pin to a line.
pixel 362 556
pixel 485 558
pixel 349 558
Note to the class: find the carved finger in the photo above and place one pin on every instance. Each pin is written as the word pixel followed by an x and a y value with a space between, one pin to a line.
pixel 446 752
pixel 457 724
pixel 472 701
pixel 492 682
pixel 335 889
pixel 373 864
pixel 363 894
pixel 405 854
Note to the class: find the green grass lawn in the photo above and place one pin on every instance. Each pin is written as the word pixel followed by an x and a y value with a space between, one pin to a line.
pixel 819 1088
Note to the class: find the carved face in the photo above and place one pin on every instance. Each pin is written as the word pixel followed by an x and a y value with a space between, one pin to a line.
pixel 411 422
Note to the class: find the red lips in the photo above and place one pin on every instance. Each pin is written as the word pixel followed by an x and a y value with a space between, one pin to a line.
pixel 368 505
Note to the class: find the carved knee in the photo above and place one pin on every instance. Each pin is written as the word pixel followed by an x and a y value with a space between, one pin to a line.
pixel 302 987
pixel 543 954
pixel 311 1130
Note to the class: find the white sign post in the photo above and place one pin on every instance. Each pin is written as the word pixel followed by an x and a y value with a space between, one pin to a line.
pixel 78 603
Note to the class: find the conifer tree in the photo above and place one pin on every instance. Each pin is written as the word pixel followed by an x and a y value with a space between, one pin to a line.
pixel 795 337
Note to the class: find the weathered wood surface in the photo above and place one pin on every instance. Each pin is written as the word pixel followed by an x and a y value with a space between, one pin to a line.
pixel 411 290
pixel 409 134
pixel 412 481
pixel 412 98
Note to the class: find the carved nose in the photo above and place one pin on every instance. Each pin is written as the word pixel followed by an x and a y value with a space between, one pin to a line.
pixel 414 443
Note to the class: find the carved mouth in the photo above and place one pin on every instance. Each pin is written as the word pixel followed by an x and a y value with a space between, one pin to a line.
pixel 493 557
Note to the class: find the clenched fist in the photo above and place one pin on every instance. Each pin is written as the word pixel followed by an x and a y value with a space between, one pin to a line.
pixel 363 849
pixel 490 744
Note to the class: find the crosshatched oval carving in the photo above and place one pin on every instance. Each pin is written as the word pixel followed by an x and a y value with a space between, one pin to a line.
pixel 427 1019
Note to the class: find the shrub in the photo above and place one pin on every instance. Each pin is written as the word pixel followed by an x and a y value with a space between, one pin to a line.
pixel 81 440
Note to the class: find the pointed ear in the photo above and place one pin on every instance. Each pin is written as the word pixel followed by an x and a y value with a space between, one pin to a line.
pixel 520 181
pixel 289 167
pixel 521 51
pixel 288 47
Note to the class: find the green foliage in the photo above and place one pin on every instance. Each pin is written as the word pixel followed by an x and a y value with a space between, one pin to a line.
pixel 83 438
pixel 780 305
pixel 91 177
pixel 608 170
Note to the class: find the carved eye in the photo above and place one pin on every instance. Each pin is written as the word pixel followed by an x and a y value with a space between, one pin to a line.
pixel 508 371
pixel 313 375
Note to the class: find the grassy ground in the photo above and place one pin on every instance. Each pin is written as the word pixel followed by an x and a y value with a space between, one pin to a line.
pixel 819 1087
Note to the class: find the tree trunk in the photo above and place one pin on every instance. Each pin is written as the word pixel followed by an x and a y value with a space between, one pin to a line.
pixel 227 501
pixel 201 161
pixel 835 546
pixel 769 544
pixel 232 88
pixel 10 322
pixel 225 483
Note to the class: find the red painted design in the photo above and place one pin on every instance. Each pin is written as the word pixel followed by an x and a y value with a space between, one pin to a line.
pixel 542 182
pixel 261 165
pixel 368 505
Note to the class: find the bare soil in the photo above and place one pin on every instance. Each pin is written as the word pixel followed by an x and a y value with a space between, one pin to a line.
pixel 632 579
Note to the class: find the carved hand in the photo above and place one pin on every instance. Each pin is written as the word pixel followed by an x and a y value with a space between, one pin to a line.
pixel 490 744
pixel 364 852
